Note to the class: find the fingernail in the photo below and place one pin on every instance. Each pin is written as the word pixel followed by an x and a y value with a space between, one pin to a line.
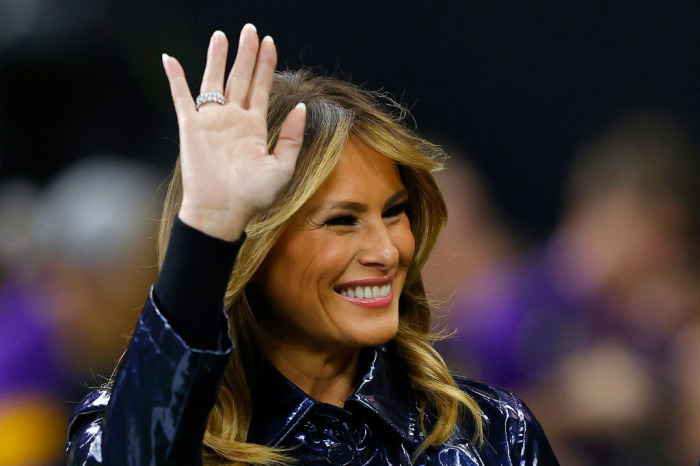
pixel 164 57
pixel 269 39
pixel 301 105
pixel 250 26
pixel 219 34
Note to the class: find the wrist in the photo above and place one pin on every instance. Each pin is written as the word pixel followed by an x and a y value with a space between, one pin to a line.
pixel 226 225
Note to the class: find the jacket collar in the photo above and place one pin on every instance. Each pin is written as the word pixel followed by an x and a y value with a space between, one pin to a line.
pixel 279 405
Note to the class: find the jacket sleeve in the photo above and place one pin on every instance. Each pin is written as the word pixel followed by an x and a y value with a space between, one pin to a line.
pixel 156 411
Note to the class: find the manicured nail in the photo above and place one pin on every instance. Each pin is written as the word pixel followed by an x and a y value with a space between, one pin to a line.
pixel 250 26
pixel 301 105
pixel 269 39
pixel 164 57
pixel 219 35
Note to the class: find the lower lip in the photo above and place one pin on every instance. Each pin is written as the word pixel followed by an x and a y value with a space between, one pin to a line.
pixel 371 303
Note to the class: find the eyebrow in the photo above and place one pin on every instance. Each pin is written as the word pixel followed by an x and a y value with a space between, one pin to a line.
pixel 358 207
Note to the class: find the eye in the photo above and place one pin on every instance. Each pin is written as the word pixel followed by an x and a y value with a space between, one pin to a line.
pixel 396 210
pixel 341 220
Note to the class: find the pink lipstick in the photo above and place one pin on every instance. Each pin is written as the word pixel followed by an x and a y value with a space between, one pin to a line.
pixel 358 291
pixel 371 303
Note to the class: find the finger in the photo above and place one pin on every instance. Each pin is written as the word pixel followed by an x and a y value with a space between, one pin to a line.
pixel 291 136
pixel 259 93
pixel 242 71
pixel 213 79
pixel 182 97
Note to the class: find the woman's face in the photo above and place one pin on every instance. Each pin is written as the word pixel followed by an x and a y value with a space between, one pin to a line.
pixel 335 275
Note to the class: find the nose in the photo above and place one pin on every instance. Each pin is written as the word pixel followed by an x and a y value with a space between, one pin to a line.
pixel 378 249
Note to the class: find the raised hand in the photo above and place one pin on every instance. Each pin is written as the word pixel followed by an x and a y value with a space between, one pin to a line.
pixel 227 173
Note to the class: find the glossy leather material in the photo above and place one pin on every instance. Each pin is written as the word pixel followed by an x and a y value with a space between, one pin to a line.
pixel 157 410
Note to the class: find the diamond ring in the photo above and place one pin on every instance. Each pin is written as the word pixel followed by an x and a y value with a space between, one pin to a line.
pixel 207 97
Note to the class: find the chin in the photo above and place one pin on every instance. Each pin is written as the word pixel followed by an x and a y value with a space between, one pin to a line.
pixel 375 333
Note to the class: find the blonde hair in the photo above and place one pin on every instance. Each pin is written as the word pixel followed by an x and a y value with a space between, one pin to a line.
pixel 336 110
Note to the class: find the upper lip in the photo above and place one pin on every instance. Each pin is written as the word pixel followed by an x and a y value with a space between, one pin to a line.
pixel 370 281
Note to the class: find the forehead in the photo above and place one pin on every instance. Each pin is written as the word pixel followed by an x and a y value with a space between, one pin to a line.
pixel 361 174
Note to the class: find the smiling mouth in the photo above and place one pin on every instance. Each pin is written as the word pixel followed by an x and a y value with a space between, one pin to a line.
pixel 366 292
pixel 370 296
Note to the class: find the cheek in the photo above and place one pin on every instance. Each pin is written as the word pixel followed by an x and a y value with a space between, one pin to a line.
pixel 331 254
pixel 405 243
pixel 305 263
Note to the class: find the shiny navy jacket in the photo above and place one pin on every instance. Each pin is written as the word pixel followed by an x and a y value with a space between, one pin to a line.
pixel 156 413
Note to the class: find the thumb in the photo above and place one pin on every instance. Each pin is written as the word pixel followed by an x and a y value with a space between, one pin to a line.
pixel 291 135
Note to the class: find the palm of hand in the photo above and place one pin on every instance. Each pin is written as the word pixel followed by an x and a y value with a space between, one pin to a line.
pixel 227 173
pixel 232 165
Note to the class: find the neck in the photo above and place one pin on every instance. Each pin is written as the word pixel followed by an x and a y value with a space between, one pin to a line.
pixel 327 376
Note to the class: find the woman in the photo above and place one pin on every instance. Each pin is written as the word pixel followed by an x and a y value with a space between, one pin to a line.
pixel 326 306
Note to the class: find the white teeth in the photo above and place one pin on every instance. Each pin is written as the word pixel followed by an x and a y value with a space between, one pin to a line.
pixel 367 291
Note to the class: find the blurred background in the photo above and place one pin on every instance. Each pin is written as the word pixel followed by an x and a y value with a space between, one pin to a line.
pixel 569 267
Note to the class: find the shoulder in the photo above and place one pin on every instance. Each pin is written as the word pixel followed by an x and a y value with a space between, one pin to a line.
pixel 89 408
pixel 492 399
pixel 509 425
pixel 84 428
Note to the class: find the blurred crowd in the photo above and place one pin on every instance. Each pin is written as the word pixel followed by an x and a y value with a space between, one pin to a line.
pixel 77 258
pixel 597 327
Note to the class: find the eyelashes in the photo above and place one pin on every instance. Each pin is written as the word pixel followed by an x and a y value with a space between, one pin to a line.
pixel 350 220
pixel 341 220
pixel 396 210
